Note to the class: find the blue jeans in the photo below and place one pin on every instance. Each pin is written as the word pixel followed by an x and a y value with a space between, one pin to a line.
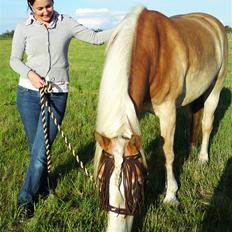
pixel 28 104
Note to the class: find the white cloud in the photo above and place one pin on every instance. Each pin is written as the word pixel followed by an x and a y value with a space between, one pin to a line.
pixel 98 18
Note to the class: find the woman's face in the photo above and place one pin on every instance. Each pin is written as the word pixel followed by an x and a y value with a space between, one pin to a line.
pixel 43 10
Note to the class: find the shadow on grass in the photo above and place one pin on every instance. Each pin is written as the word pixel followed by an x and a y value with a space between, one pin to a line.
pixel 85 154
pixel 155 182
pixel 219 214
pixel 223 105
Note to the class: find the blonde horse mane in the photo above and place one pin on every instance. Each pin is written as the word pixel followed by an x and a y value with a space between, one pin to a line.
pixel 116 115
pixel 116 112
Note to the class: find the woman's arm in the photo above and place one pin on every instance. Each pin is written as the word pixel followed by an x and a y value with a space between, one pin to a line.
pixel 17 52
pixel 16 59
pixel 83 33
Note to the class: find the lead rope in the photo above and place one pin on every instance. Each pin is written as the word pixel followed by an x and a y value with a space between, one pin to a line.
pixel 43 103
pixel 42 91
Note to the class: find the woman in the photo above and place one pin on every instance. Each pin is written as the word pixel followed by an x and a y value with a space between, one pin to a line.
pixel 45 38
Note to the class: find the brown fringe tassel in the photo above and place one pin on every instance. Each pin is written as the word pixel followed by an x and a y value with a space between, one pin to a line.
pixel 134 178
pixel 105 171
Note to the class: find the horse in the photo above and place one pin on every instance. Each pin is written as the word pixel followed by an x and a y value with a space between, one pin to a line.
pixel 153 63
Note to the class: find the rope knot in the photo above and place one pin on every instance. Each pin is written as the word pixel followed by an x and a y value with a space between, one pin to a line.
pixel 48 87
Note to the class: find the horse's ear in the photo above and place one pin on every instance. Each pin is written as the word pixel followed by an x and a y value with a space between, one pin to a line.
pixel 102 140
pixel 135 142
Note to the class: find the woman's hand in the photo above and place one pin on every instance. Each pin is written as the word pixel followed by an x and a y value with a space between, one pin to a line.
pixel 36 80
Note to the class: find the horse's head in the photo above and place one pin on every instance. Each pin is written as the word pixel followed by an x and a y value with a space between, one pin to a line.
pixel 121 173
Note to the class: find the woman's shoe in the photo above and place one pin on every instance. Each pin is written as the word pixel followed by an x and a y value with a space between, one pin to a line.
pixel 25 212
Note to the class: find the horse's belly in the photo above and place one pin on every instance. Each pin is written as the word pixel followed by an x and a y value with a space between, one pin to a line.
pixel 195 86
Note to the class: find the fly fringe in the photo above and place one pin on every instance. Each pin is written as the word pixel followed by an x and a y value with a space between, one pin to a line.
pixel 134 175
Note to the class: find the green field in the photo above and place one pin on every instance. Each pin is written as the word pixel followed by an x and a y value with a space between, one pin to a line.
pixel 205 191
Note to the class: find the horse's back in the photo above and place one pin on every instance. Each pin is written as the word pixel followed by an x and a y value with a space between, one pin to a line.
pixel 181 56
pixel 203 34
pixel 199 20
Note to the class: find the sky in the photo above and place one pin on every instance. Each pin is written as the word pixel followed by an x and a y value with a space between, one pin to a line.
pixel 105 14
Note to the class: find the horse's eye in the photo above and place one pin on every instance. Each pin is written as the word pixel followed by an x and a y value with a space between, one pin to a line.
pixel 124 137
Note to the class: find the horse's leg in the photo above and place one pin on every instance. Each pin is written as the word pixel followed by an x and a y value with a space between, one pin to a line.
pixel 196 109
pixel 210 106
pixel 167 116
pixel 207 125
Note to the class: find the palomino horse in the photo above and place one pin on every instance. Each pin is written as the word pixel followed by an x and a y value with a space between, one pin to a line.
pixel 157 63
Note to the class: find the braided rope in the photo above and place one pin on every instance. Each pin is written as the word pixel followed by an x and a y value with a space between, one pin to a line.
pixel 47 89
pixel 42 107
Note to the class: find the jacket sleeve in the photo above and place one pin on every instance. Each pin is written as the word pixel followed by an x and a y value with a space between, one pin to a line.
pixel 83 33
pixel 17 52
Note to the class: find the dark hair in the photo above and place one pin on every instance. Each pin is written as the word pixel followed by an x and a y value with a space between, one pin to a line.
pixel 31 3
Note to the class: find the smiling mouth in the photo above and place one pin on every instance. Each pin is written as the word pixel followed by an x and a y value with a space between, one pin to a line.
pixel 47 17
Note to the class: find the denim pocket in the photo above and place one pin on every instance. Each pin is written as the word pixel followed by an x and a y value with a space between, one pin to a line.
pixel 25 95
pixel 21 90
pixel 25 91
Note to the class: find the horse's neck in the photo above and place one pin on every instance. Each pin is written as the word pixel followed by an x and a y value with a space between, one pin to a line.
pixel 139 79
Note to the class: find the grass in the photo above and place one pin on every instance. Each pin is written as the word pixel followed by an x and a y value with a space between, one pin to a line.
pixel 205 191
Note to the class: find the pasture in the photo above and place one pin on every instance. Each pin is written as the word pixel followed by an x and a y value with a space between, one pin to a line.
pixel 205 191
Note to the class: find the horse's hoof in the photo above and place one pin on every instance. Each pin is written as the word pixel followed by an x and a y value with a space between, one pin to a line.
pixel 203 159
pixel 171 200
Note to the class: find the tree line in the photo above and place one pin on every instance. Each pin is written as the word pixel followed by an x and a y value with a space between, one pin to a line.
pixel 9 34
